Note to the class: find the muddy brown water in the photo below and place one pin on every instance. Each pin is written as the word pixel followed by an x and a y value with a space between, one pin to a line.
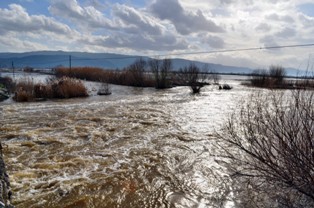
pixel 134 148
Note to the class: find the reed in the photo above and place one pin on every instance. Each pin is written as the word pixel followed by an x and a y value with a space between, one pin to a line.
pixel 26 90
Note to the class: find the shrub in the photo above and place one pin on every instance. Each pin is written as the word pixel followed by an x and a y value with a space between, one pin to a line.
pixel 305 84
pixel 269 145
pixel 133 75
pixel 23 96
pixel 161 70
pixel 136 73
pixel 193 77
pixel 43 91
pixel 8 83
pixel 24 90
pixel 68 88
pixel 27 90
pixel 85 73
pixel 260 78
pixel 215 77
pixel 277 74
pixel 271 78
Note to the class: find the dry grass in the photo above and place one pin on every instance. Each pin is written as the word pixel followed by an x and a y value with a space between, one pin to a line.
pixel 129 76
pixel 68 88
pixel 26 90
pixel 87 73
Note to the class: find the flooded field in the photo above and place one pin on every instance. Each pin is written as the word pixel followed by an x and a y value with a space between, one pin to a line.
pixel 134 148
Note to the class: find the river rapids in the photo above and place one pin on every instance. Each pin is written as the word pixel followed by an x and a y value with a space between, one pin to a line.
pixel 134 148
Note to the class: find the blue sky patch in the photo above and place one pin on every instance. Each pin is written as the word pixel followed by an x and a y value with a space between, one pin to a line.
pixel 307 9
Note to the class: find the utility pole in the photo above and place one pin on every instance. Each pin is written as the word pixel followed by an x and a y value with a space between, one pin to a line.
pixel 13 70
pixel 70 62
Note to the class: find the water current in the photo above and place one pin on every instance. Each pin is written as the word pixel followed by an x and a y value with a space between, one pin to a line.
pixel 134 148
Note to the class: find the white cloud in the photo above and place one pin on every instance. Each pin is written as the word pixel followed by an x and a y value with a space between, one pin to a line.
pixel 128 27
pixel 165 26
pixel 23 32
pixel 212 41
pixel 263 27
pixel 185 22
pixel 17 19
pixel 136 21
pixel 9 42
pixel 136 42
pixel 85 18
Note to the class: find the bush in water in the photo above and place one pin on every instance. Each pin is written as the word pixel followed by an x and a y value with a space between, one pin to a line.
pixel 269 146
pixel 27 90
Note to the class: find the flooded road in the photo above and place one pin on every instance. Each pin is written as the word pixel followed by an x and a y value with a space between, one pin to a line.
pixel 135 148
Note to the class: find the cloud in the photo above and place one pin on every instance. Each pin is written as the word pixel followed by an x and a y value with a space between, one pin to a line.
pixel 306 21
pixel 136 21
pixel 286 33
pixel 184 21
pixel 84 17
pixel 268 41
pixel 159 26
pixel 21 31
pixel 123 18
pixel 18 20
pixel 137 42
pixel 126 27
pixel 263 27
pixel 9 42
pixel 212 41
pixel 283 18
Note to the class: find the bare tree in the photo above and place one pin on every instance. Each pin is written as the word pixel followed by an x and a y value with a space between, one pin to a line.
pixel 215 77
pixel 277 73
pixel 193 77
pixel 137 72
pixel 161 70
pixel 270 143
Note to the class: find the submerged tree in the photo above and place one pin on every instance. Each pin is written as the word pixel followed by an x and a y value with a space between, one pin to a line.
pixel 215 77
pixel 161 70
pixel 193 77
pixel 271 78
pixel 270 145
pixel 277 74
pixel 136 73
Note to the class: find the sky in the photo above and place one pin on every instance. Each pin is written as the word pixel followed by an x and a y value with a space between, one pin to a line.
pixel 165 28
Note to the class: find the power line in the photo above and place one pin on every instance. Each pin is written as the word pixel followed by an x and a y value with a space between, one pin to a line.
pixel 70 59
pixel 205 52
pixel 240 49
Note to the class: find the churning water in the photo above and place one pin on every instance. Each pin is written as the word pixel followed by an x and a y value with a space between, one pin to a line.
pixel 134 148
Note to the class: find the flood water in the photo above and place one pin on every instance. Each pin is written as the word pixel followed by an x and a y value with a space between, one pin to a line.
pixel 134 148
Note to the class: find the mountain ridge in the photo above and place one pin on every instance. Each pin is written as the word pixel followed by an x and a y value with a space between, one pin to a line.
pixel 51 59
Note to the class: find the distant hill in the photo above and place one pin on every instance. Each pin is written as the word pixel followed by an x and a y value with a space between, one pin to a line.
pixel 51 59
